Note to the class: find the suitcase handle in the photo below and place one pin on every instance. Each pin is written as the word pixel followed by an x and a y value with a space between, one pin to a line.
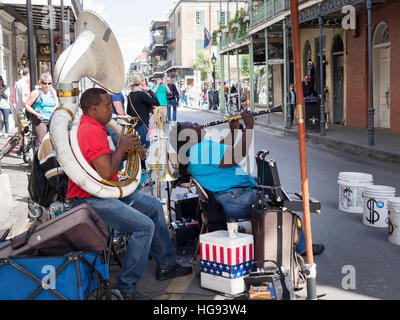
pixel 274 262
pixel 22 240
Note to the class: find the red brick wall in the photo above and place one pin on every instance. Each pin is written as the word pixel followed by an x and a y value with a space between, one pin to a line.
pixel 357 102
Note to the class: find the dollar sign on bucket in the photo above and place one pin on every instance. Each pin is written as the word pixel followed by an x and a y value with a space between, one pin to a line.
pixel 373 215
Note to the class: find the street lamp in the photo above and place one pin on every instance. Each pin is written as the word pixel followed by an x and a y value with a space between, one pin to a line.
pixel 214 61
pixel 23 60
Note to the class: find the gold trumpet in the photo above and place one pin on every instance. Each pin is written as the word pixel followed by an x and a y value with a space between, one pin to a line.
pixel 157 166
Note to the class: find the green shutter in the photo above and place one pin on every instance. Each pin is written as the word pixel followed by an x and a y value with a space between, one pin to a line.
pixel 218 18
pixel 179 19
pixel 229 17
pixel 199 46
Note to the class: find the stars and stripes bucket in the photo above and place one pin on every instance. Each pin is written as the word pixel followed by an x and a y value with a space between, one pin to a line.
pixel 225 261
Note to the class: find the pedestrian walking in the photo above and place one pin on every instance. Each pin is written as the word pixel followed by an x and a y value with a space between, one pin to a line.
pixel 161 90
pixel 41 104
pixel 4 105
pixel 141 102
pixel 173 100
pixel 21 93
pixel 292 104
pixel 183 96
pixel 20 75
pixel 226 92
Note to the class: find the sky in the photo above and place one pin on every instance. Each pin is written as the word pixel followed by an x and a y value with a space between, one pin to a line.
pixel 130 21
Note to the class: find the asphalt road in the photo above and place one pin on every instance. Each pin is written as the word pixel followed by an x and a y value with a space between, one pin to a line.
pixel 359 262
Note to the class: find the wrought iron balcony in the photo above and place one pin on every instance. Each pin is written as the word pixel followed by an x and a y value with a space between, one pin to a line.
pixel 164 65
pixel 263 10
pixel 233 36
pixel 158 25
pixel 168 38
pixel 157 44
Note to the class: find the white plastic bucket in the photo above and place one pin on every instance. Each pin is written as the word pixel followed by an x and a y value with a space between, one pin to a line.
pixel 375 211
pixel 351 185
pixel 394 221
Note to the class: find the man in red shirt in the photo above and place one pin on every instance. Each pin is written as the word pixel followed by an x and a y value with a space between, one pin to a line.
pixel 137 214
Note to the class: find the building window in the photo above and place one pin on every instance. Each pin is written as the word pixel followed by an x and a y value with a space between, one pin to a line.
pixel 223 18
pixel 200 21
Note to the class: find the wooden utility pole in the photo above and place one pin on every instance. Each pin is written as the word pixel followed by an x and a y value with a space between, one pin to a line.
pixel 311 267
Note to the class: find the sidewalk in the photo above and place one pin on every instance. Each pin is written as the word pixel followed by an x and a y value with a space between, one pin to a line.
pixel 348 139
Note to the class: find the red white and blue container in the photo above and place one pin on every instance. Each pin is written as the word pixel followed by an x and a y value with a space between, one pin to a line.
pixel 225 261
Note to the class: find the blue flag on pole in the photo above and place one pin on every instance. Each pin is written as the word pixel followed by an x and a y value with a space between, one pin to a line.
pixel 207 38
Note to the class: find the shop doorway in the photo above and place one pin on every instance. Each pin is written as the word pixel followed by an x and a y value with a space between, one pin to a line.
pixel 338 79
pixel 381 65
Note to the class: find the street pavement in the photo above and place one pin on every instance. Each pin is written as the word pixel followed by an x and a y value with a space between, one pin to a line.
pixel 350 245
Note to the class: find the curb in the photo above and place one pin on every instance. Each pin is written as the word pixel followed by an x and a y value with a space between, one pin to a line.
pixel 371 152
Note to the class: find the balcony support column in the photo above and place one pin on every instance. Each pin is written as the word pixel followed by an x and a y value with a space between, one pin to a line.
pixel 267 72
pixel 229 76
pixel 222 86
pixel 239 85
pixel 251 53
pixel 285 77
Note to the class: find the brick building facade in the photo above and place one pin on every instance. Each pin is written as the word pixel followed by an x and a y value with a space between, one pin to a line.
pixel 386 70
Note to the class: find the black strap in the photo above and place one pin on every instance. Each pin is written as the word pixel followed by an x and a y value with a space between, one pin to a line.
pixel 279 237
pixel 22 240
pixel 274 262
pixel 133 108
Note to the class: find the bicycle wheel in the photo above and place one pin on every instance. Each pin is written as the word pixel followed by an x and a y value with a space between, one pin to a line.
pixel 9 146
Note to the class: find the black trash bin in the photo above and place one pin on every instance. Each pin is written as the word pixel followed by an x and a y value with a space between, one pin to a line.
pixel 312 113
pixel 213 100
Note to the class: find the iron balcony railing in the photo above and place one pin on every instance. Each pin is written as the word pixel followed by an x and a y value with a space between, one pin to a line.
pixel 264 10
pixel 164 65
pixel 157 41
pixel 236 35
pixel 259 12
pixel 169 37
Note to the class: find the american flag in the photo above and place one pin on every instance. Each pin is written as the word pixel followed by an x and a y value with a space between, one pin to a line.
pixel 207 39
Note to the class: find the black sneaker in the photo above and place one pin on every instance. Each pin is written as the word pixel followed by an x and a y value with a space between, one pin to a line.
pixel 135 296
pixel 317 249
pixel 172 272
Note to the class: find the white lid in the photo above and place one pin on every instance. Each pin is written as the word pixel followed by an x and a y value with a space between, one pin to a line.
pixel 355 175
pixel 222 237
pixel 380 189
pixel 394 201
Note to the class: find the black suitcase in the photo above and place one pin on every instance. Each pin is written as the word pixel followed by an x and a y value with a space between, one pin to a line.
pixel 79 229
pixel 186 206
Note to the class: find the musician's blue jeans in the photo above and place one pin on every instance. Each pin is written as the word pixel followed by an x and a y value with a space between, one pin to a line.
pixel 237 205
pixel 143 217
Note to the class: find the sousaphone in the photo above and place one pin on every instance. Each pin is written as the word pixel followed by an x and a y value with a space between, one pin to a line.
pixel 95 54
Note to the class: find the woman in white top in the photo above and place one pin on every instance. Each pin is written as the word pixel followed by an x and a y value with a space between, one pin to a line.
pixel 4 104
pixel 41 104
